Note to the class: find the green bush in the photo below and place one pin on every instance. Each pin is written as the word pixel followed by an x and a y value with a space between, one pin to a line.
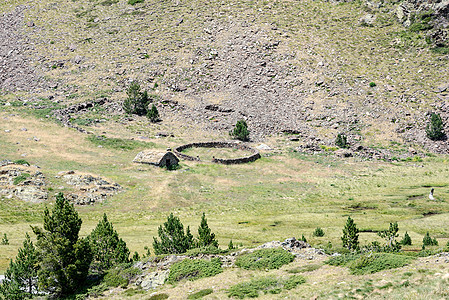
pixel 264 259
pixel 132 2
pixel 22 162
pixel 318 232
pixel 120 275
pixel 360 264
pixel 205 250
pixel 341 141
pixel 137 101
pixel 240 131
pixel 434 129
pixel 200 294
pixel 266 285
pixel 372 84
pixel 21 178
pixel 194 269
pixel 5 240
pixel 158 297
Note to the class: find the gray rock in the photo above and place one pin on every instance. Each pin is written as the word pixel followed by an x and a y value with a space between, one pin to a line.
pixel 154 279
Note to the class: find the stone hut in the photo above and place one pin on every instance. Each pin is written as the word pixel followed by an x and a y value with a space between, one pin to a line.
pixel 157 158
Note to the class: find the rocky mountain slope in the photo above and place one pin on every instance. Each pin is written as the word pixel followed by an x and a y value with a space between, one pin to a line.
pixel 313 68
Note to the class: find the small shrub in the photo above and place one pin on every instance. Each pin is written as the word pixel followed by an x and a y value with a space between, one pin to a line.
pixel 264 259
pixel 428 241
pixel 303 238
pixel 136 256
pixel 192 269
pixel 318 232
pixel 360 264
pixel 266 285
pixel 341 141
pixel 372 84
pixel 21 178
pixel 158 297
pixel 434 129
pixel 240 131
pixel 132 2
pixel 5 240
pixel 22 162
pixel 200 294
pixel 153 114
pixel 120 275
pixel 407 240
pixel 231 245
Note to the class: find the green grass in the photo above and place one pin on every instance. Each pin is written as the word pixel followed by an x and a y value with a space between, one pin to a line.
pixel 264 259
pixel 118 144
pixel 193 269
pixel 21 178
pixel 303 269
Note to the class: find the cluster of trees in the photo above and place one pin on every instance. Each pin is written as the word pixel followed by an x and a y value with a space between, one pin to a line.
pixel 138 102
pixel 350 238
pixel 60 261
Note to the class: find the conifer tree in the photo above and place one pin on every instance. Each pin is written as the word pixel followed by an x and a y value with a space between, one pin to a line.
pixel 231 245
pixel 173 240
pixel 21 277
pixel 407 240
pixel 205 236
pixel 350 236
pixel 137 101
pixel 390 236
pixel 64 257
pixel 107 248
pixel 434 129
pixel 153 114
pixel 240 131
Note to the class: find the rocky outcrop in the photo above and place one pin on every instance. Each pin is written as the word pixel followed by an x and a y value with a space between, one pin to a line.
pixel 88 188
pixel 432 15
pixel 22 181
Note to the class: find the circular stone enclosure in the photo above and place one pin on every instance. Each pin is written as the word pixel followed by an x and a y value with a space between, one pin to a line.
pixel 227 161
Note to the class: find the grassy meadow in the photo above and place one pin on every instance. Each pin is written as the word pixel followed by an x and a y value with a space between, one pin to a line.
pixel 284 194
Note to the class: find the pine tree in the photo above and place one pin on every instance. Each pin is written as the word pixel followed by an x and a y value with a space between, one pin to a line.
pixel 205 237
pixel 231 245
pixel 350 236
pixel 341 141
pixel 390 236
pixel 137 101
pixel 407 240
pixel 173 239
pixel 64 257
pixel 5 240
pixel 434 129
pixel 153 114
pixel 240 131
pixel 107 248
pixel 21 277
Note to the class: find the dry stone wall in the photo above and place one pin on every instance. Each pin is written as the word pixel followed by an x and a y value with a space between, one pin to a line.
pixel 227 161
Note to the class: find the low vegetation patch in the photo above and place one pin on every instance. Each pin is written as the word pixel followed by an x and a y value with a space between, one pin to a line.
pixel 267 285
pixel 194 269
pixel 21 178
pixel 264 259
pixel 200 294
pixel 360 264
pixel 117 144
pixel 303 269
pixel 22 162
pixel 120 275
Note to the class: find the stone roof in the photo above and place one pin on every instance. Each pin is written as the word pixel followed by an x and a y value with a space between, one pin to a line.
pixel 153 157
